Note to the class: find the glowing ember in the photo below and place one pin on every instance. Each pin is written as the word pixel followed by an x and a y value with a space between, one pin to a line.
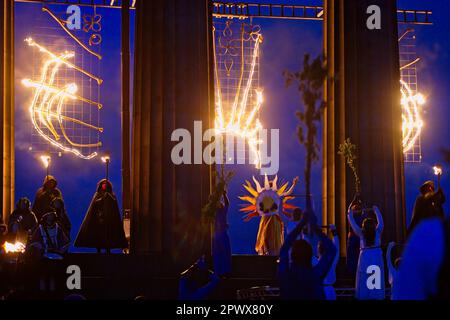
pixel 17 247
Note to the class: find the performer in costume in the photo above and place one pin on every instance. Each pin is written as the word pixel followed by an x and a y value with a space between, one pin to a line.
pixel 299 279
pixel 3 233
pixel 425 269
pixel 62 216
pixel 269 202
pixel 44 197
pixel 48 243
pixel 197 282
pixel 102 226
pixel 370 255
pixel 353 239
pixel 428 205
pixel 392 266
pixel 22 222
pixel 330 279
pixel 221 247
pixel 49 238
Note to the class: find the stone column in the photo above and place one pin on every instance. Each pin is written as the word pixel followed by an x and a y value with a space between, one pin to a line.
pixel 7 105
pixel 363 104
pixel 173 88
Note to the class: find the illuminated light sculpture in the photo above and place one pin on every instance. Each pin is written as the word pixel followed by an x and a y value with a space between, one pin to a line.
pixel 269 202
pixel 48 101
pixel 17 247
pixel 239 118
pixel 411 99
pixel 412 122
pixel 62 25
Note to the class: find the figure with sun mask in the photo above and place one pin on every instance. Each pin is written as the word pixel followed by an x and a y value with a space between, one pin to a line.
pixel 269 202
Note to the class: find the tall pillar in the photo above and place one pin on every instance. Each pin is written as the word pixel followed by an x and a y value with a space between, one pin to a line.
pixel 173 88
pixel 7 105
pixel 363 103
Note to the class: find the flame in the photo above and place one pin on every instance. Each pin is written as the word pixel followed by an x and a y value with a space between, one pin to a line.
pixel 437 170
pixel 105 159
pixel 17 247
pixel 46 161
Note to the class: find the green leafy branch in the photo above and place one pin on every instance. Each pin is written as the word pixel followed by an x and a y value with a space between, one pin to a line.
pixel 348 151
pixel 210 208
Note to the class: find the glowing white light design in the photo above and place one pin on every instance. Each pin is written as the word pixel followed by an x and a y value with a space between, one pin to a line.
pixel 412 122
pixel 239 121
pixel 47 96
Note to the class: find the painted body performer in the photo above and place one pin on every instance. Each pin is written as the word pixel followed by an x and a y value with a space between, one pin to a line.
pixel 428 205
pixel 22 222
pixel 102 226
pixel 221 247
pixel 44 197
pixel 370 255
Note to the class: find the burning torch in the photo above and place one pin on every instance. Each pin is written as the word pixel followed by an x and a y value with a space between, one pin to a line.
pixel 106 159
pixel 46 159
pixel 438 172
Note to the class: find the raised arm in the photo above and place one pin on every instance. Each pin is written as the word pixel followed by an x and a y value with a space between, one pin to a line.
pixel 438 197
pixel 353 224
pixel 206 290
pixel 325 263
pixel 199 294
pixel 390 265
pixel 380 224
pixel 336 244
pixel 283 265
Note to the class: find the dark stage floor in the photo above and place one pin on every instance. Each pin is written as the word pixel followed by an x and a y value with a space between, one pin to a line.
pixel 119 276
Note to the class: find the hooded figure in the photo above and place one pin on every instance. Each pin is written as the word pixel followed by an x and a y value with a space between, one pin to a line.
pixel 62 217
pixel 428 205
pixel 22 221
pixel 102 226
pixel 49 237
pixel 44 197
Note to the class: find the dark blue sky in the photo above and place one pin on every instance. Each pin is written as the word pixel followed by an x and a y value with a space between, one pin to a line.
pixel 285 43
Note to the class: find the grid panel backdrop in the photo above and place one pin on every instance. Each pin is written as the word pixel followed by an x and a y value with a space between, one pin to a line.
pixel 87 115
